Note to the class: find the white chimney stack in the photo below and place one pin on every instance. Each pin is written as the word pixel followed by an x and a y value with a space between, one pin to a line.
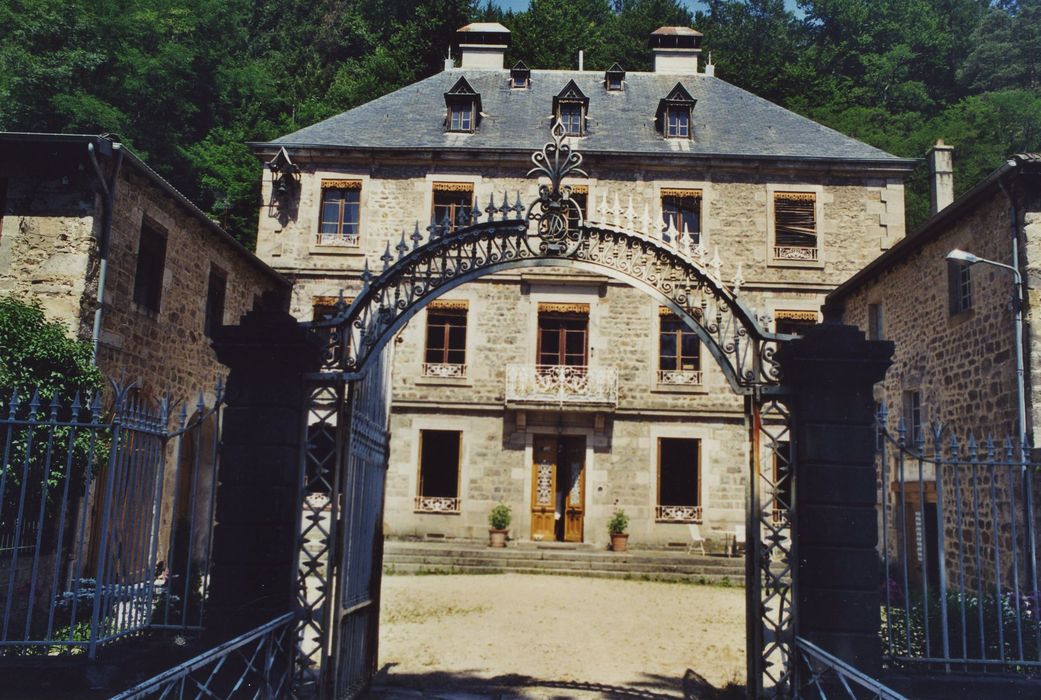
pixel 941 175
pixel 676 50
pixel 483 45
pixel 581 60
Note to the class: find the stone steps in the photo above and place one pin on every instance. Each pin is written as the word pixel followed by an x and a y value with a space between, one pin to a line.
pixel 433 558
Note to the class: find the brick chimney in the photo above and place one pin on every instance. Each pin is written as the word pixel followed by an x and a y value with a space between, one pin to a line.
pixel 676 50
pixel 941 175
pixel 483 45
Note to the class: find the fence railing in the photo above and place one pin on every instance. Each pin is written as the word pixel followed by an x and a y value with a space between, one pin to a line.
pixel 111 509
pixel 561 384
pixel 960 558
pixel 822 676
pixel 256 664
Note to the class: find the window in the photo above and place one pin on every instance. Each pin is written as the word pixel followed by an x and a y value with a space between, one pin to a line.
pixel 571 118
pixel 563 334
pixel 613 78
pixel 445 354
pixel 681 210
pixel 874 322
pixel 959 286
pixel 151 263
pixel 461 117
pixel 341 210
pixel 326 307
pixel 795 226
pixel 913 418
pixel 452 204
pixel 520 76
pixel 794 322
pixel 215 293
pixel 439 452
pixel 677 124
pixel 679 351
pixel 580 196
pixel 679 480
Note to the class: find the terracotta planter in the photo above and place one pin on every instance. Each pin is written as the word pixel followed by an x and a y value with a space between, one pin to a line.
pixel 619 541
pixel 497 538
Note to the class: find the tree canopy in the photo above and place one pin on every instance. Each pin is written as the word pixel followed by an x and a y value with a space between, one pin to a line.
pixel 188 82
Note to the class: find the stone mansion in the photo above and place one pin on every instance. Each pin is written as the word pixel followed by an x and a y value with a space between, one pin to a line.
pixel 563 393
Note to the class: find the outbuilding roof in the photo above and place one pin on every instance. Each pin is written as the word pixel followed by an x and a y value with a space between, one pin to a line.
pixel 727 121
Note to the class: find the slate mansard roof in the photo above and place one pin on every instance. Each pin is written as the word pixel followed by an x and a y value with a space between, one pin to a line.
pixel 727 120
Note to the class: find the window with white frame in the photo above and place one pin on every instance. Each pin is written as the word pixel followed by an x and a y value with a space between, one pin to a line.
pixel 340 215
pixel 795 226
pixel 679 351
pixel 445 352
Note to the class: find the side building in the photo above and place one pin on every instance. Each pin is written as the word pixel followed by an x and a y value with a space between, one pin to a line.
pixel 129 264
pixel 562 393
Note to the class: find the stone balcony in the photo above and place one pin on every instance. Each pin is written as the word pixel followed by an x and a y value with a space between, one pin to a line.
pixel 561 385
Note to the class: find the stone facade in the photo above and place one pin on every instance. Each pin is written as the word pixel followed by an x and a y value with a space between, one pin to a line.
pixel 54 218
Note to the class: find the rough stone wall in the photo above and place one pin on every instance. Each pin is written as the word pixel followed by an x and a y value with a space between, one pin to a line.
pixel 858 218
pixel 47 245
pixel 168 351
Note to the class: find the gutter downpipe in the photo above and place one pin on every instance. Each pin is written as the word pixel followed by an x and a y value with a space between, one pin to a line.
pixel 1021 408
pixel 108 191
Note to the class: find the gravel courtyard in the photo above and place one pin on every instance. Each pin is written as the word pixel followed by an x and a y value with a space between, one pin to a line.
pixel 580 637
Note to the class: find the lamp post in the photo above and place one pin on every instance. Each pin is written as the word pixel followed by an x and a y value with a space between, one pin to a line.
pixel 970 259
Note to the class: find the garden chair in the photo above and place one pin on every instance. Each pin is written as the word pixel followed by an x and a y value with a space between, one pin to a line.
pixel 739 538
pixel 696 540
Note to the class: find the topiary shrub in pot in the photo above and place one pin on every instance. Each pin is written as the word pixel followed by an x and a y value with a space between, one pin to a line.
pixel 499 520
pixel 617 526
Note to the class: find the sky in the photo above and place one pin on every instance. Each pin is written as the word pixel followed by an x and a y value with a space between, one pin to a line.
pixel 692 4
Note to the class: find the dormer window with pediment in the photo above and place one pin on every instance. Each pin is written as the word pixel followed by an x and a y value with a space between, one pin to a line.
pixel 674 117
pixel 464 107
pixel 520 76
pixel 613 78
pixel 570 106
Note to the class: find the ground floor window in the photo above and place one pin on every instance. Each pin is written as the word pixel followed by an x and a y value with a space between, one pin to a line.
pixel 438 490
pixel 679 480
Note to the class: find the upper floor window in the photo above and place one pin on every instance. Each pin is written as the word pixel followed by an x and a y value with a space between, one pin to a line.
pixel 563 334
pixel 613 78
pixel 520 76
pixel 795 226
pixel 580 196
pixel 151 265
pixel 464 107
pixel 340 215
pixel 453 202
pixel 216 290
pixel 679 480
pixel 876 329
pixel 794 322
pixel 959 286
pixel 914 420
pixel 570 106
pixel 673 119
pixel 681 211
pixel 679 351
pixel 445 354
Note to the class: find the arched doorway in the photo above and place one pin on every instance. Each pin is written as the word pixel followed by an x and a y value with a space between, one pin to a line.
pixel 339 581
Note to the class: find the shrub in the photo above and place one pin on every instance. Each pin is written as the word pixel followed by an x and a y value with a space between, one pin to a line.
pixel 500 517
pixel 618 523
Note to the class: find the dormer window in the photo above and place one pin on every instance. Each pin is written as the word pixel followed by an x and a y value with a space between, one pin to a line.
pixel 570 106
pixel 520 76
pixel 674 114
pixel 613 78
pixel 464 107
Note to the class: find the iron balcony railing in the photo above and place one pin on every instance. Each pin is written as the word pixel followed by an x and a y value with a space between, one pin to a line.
pixel 679 377
pixel 437 504
pixel 960 560
pixel 795 252
pixel 443 370
pixel 678 514
pixel 561 384
pixel 343 240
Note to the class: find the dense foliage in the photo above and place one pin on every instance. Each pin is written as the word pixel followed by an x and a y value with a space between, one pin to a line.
pixel 188 82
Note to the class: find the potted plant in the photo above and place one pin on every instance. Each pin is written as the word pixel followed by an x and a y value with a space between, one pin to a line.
pixel 499 520
pixel 617 526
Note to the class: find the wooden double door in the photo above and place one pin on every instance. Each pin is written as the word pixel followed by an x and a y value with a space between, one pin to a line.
pixel 558 488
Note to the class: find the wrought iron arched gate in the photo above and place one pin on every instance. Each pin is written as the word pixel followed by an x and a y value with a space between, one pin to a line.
pixel 339 547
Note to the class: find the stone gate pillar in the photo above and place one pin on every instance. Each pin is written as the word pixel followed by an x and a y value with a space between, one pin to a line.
pixel 254 547
pixel 831 371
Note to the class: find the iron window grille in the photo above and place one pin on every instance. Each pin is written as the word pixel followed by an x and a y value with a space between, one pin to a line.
pixel 679 352
pixel 681 211
pixel 959 286
pixel 795 226
pixel 151 264
pixel 453 202
pixel 679 480
pixel 339 222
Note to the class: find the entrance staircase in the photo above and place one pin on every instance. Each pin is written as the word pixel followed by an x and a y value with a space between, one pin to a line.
pixel 418 557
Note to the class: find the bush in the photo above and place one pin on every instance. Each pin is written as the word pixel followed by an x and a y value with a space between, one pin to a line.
pixel 500 517
pixel 618 523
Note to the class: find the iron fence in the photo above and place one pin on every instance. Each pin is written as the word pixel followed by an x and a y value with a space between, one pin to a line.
pixel 958 527
pixel 822 676
pixel 256 664
pixel 106 514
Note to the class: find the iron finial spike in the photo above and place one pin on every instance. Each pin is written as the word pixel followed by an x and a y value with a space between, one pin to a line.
pixel 491 208
pixel 518 207
pixel 218 388
pixel 402 247
pixel 445 227
pixel 475 212
pixel 75 406
pixel 417 237
pixel 386 257
pixel 504 210
pixel 990 448
pixel 1008 448
pixel 182 417
pixel 14 402
pixel 34 402
pixel 646 219
pixel 95 407
pixel 901 431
